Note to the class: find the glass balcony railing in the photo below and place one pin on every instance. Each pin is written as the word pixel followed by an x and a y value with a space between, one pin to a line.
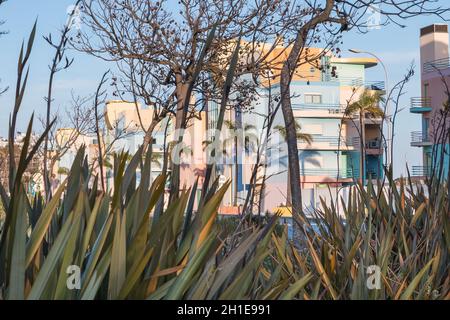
pixel 435 65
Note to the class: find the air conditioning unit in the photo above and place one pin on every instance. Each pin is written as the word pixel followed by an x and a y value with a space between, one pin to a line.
pixel 374 144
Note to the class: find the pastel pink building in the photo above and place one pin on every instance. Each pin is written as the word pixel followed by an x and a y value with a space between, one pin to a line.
pixel 434 72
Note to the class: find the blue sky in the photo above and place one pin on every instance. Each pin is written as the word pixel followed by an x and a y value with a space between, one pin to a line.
pixel 395 46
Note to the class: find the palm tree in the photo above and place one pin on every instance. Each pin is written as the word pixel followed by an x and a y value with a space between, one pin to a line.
pixel 304 137
pixel 248 145
pixel 249 136
pixel 367 104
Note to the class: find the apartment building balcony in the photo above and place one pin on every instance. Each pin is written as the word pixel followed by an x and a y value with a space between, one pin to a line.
pixel 420 139
pixel 332 173
pixel 420 105
pixel 329 143
pixel 323 110
pixel 369 120
pixel 374 147
pixel 421 171
pixel 435 65
pixel 375 85
pixel 350 81
pixel 357 82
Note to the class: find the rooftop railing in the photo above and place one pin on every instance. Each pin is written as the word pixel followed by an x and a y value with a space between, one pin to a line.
pixel 438 64
pixel 375 85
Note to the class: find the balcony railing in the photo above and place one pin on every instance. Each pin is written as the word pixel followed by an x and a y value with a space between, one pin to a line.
pixel 346 81
pixel 332 173
pixel 439 64
pixel 334 141
pixel 349 142
pixel 357 82
pixel 419 138
pixel 375 85
pixel 331 108
pixel 420 104
pixel 421 171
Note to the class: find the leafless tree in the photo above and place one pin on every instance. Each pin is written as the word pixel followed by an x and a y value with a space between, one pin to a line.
pixel 439 134
pixel 397 93
pixel 160 47
pixel 59 63
pixel 99 98
pixel 76 121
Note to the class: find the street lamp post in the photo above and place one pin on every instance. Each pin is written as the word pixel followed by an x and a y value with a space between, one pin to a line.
pixel 387 110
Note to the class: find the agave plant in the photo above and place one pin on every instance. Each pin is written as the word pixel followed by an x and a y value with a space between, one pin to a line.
pixel 123 251
pixel 405 242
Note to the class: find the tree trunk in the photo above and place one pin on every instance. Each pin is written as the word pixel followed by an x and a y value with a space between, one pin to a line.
pixel 239 146
pixel 448 175
pixel 180 125
pixel 236 172
pixel 288 189
pixel 362 165
pixel 291 131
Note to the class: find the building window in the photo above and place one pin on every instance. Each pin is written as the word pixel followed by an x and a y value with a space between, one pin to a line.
pixel 425 126
pixel 313 98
